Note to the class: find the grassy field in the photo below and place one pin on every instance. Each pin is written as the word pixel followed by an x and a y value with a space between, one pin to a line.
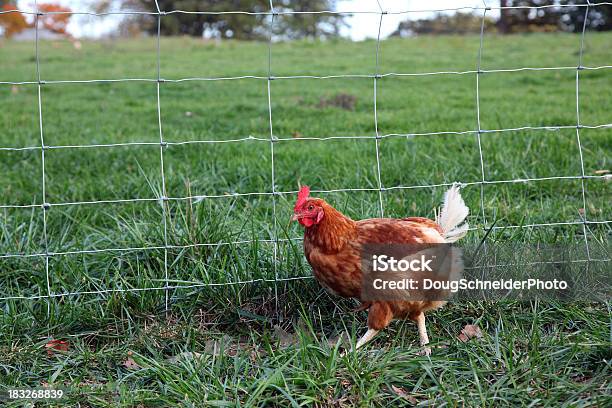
pixel 224 345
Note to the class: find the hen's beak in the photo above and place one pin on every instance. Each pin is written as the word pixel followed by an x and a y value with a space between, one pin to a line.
pixel 295 217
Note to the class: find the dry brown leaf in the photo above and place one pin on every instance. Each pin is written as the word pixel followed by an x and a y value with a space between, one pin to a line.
pixel 403 394
pixel 254 355
pixel 603 171
pixel 187 355
pixel 470 331
pixel 130 364
pixel 296 134
pixel 54 346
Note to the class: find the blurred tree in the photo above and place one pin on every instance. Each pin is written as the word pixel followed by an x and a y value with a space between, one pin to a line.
pixel 458 23
pixel 527 19
pixel 308 25
pixel 552 18
pixel 531 18
pixel 236 25
pixel 15 22
pixel 599 18
pixel 57 23
pixel 12 23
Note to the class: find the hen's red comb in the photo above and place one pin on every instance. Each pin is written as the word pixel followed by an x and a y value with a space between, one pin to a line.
pixel 302 197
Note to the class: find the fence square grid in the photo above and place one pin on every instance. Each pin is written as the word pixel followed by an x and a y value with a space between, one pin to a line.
pixel 271 15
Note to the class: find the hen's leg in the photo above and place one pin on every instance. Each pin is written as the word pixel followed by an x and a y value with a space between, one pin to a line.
pixel 379 317
pixel 366 337
pixel 424 340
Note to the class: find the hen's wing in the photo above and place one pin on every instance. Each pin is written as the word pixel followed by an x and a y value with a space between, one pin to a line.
pixel 425 222
pixel 413 230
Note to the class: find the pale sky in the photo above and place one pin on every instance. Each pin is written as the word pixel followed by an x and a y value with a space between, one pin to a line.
pixel 362 26
pixel 366 25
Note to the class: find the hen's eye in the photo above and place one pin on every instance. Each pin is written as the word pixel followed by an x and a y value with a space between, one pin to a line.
pixel 311 207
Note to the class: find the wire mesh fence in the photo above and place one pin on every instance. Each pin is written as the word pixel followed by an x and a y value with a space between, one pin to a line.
pixel 164 199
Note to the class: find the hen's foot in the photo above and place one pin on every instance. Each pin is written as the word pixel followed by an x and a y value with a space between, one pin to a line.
pixel 425 352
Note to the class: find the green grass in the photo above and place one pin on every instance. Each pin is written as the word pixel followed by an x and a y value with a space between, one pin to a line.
pixel 545 354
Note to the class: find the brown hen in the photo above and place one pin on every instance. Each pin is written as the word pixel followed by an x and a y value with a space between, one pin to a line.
pixel 333 245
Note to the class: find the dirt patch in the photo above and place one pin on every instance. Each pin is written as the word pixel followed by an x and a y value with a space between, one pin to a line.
pixel 341 100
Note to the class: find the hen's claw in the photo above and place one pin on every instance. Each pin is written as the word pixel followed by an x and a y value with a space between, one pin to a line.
pixel 425 352
pixel 365 338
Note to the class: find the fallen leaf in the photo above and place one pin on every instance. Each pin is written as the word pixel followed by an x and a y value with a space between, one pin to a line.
pixel 296 135
pixel 399 391
pixel 254 355
pixel 602 171
pixel 187 355
pixel 130 364
pixel 470 331
pixel 402 393
pixel 54 346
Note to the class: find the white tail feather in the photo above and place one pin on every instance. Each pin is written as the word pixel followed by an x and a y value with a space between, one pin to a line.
pixel 453 213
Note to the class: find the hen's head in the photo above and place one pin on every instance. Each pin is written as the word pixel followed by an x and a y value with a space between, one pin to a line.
pixel 307 211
